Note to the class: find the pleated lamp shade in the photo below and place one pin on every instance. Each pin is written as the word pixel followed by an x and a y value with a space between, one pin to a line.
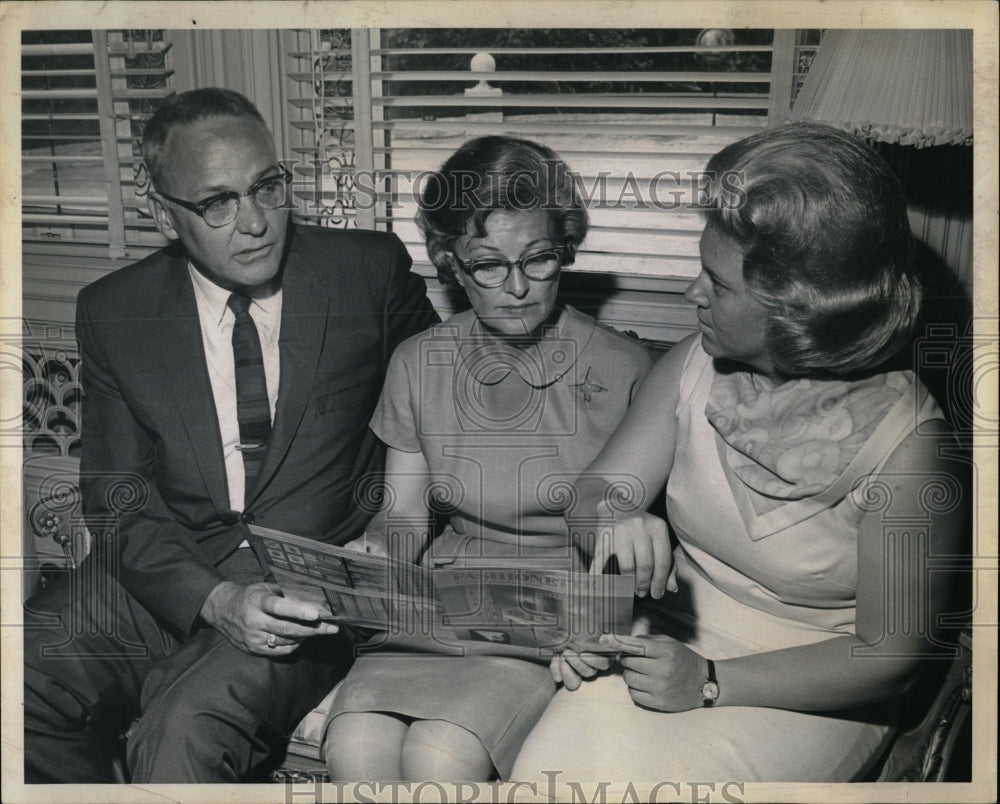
pixel 910 87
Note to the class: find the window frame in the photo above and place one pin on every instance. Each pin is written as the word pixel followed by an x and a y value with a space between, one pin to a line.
pixel 117 219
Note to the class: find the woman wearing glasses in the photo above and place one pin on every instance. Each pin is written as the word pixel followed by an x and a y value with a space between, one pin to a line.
pixel 498 405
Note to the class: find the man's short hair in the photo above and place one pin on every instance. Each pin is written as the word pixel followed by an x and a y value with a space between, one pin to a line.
pixel 493 173
pixel 184 109
pixel 827 248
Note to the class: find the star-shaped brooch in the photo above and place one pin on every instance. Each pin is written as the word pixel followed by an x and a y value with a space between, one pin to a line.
pixel 587 389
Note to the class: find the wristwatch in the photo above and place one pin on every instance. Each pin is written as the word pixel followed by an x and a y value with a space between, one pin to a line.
pixel 710 687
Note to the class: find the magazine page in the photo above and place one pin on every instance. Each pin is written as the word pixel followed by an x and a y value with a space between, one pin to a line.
pixel 511 610
pixel 349 586
pixel 547 610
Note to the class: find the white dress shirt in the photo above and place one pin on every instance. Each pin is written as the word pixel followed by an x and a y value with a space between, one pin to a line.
pixel 217 335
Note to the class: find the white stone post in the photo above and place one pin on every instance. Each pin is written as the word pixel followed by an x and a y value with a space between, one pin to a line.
pixel 484 64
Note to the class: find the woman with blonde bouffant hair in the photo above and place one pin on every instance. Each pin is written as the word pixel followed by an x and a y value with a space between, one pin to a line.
pixel 788 447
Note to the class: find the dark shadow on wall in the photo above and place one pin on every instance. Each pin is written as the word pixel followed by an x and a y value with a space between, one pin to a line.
pixel 942 347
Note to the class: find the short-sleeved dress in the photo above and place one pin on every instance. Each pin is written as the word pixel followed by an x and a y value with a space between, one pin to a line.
pixel 504 426
pixel 762 564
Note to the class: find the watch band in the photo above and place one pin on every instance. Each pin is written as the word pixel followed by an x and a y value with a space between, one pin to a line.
pixel 710 689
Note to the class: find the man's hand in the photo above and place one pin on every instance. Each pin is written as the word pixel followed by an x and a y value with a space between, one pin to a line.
pixel 257 619
pixel 642 546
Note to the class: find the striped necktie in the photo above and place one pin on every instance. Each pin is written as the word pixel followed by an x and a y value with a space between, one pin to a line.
pixel 252 408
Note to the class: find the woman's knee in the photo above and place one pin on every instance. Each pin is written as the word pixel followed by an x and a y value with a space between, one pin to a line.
pixel 342 735
pixel 364 745
pixel 439 750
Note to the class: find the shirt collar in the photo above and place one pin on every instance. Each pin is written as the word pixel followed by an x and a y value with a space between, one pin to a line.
pixel 538 361
pixel 216 298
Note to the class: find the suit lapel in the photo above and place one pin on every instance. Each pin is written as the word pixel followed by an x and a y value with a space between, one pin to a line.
pixel 304 307
pixel 190 384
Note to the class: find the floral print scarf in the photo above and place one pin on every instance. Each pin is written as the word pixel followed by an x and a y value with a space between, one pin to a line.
pixel 795 440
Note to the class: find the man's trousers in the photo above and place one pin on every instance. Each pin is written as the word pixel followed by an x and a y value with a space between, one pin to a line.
pixel 95 660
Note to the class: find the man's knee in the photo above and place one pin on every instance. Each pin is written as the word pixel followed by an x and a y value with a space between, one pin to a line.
pixel 82 674
pixel 84 664
pixel 201 714
pixel 178 739
pixel 70 687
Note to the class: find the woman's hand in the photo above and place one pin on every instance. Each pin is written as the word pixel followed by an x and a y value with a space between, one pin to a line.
pixel 571 667
pixel 662 673
pixel 642 547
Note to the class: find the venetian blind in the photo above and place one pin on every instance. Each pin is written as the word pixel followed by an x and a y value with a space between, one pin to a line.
pixel 85 95
pixel 635 114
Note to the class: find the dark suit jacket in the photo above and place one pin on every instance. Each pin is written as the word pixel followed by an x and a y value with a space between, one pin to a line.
pixel 152 472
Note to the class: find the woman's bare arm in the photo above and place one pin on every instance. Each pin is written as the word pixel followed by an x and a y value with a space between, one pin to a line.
pixel 898 602
pixel 636 461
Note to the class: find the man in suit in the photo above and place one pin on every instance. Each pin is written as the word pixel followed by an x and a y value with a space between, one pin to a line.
pixel 218 664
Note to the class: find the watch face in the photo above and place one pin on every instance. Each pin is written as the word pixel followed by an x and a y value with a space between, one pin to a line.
pixel 710 691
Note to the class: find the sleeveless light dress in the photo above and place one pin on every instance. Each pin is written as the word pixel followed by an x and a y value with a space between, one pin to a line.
pixel 785 579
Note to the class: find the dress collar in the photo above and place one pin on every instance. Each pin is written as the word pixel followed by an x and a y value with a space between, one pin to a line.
pixel 538 361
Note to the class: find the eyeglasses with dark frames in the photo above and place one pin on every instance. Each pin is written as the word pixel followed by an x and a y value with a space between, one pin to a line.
pixel 493 272
pixel 220 210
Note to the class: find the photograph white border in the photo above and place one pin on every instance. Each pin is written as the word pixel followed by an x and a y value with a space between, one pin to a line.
pixel 981 15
